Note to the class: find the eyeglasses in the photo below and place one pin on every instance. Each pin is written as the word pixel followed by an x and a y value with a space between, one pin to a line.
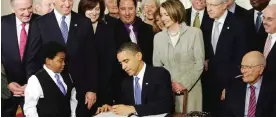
pixel 213 5
pixel 249 67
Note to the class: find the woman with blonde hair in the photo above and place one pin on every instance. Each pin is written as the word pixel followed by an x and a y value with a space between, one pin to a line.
pixel 180 49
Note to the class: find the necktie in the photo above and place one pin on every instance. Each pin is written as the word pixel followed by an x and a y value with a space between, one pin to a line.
pixel 137 91
pixel 252 103
pixel 64 29
pixel 23 40
pixel 215 36
pixel 196 21
pixel 60 85
pixel 132 34
pixel 258 21
pixel 267 46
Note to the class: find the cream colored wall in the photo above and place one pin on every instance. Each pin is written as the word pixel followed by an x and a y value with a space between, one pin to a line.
pixel 5 5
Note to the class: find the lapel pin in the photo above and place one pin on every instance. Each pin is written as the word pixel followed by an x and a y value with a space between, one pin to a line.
pixel 227 27
pixel 147 83
pixel 76 25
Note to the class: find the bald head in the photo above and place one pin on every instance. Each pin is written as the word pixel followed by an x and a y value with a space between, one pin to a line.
pixel 252 67
pixel 269 19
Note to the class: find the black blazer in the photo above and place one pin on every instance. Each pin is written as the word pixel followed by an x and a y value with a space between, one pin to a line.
pixel 239 11
pixel 231 47
pixel 259 37
pixel 270 68
pixel 156 92
pixel 144 38
pixel 15 68
pixel 109 20
pixel 235 99
pixel 81 56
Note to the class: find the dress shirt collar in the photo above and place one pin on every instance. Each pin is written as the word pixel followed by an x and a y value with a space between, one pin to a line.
pixel 49 71
pixel 19 23
pixel 273 36
pixel 141 73
pixel 232 8
pixel 223 17
pixel 256 12
pixel 257 85
pixel 59 17
pixel 201 12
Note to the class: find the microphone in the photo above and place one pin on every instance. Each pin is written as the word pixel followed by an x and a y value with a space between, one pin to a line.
pixel 239 76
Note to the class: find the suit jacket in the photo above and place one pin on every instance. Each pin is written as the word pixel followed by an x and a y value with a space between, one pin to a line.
pixel 259 37
pixel 184 61
pixel 111 21
pixel 270 68
pixel 236 94
pixel 144 38
pixel 106 63
pixel 231 47
pixel 239 11
pixel 16 69
pixel 156 92
pixel 81 56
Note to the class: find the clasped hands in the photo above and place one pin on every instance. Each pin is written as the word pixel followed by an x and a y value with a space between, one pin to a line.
pixel 17 89
pixel 120 109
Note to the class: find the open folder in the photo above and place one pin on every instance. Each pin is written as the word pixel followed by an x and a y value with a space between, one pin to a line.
pixel 111 114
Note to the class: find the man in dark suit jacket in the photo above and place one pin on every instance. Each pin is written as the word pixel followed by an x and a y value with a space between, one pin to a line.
pixel 15 41
pixel 258 35
pixel 75 32
pixel 226 44
pixel 147 90
pixel 254 95
pixel 270 46
pixel 236 9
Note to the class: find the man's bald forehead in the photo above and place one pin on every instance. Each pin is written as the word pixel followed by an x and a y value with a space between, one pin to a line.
pixel 271 8
pixel 255 55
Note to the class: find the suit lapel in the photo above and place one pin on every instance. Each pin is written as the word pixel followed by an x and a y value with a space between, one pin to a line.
pixel 241 100
pixel 55 28
pixel 14 37
pixel 72 32
pixel 145 84
pixel 260 101
pixel 224 32
pixel 189 16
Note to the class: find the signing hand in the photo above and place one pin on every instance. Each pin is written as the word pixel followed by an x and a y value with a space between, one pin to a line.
pixel 222 97
pixel 104 108
pixel 90 99
pixel 16 89
pixel 123 110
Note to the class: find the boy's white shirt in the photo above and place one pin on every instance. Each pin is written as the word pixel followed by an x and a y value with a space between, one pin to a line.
pixel 34 91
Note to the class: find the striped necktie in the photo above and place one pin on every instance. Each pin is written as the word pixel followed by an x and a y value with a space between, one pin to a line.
pixel 252 103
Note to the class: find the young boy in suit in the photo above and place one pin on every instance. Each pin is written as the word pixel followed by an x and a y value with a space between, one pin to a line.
pixel 50 92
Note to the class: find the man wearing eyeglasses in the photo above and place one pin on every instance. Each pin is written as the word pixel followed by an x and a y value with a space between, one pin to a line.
pixel 252 94
pixel 225 46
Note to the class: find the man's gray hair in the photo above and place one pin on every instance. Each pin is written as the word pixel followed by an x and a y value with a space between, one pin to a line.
pixel 12 1
pixel 144 2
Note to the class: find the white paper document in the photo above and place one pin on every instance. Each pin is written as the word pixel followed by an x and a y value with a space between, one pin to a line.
pixel 111 114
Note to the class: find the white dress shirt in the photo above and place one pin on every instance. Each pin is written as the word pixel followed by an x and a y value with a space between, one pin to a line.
pixel 248 92
pixel 34 92
pixel 232 8
pixel 273 40
pixel 193 15
pixel 59 19
pixel 221 21
pixel 19 28
pixel 256 15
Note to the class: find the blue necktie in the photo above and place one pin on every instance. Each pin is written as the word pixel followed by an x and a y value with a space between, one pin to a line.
pixel 64 29
pixel 137 91
pixel 258 21
pixel 60 85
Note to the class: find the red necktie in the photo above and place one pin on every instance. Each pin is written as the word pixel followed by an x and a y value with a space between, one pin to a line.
pixel 252 103
pixel 267 46
pixel 23 40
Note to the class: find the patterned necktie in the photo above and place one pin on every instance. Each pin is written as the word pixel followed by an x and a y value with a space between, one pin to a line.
pixel 23 40
pixel 137 91
pixel 258 21
pixel 60 85
pixel 215 36
pixel 267 46
pixel 64 29
pixel 132 34
pixel 196 21
pixel 252 103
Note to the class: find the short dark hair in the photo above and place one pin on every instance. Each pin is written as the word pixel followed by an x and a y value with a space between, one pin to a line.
pixel 51 49
pixel 85 5
pixel 129 46
pixel 134 1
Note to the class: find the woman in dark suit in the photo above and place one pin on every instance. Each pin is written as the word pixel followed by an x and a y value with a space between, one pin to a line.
pixel 103 33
